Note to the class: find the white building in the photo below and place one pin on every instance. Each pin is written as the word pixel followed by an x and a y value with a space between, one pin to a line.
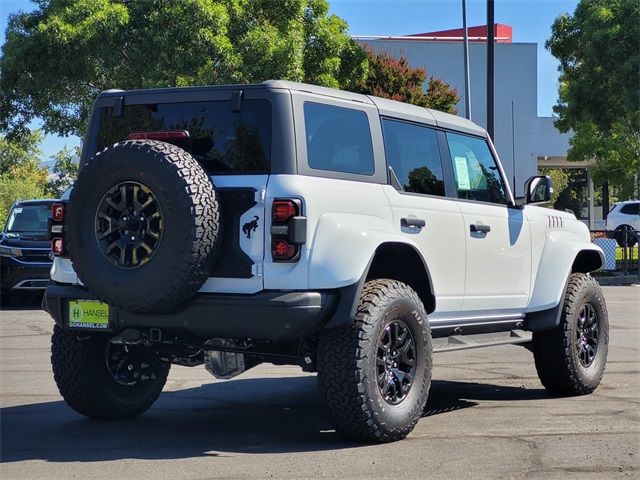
pixel 533 141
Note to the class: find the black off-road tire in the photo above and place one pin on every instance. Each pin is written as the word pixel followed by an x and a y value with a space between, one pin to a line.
pixel 556 357
pixel 84 381
pixel 188 248
pixel 347 366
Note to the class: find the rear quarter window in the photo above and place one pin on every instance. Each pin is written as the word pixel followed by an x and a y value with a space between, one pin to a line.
pixel 338 139
pixel 223 141
pixel 631 209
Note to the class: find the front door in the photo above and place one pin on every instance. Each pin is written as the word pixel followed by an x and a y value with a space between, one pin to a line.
pixel 497 236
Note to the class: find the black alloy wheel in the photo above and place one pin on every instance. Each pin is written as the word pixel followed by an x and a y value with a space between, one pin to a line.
pixel 395 362
pixel 128 225
pixel 587 332
pixel 132 364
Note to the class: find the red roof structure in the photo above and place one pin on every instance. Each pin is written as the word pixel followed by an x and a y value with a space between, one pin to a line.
pixel 504 34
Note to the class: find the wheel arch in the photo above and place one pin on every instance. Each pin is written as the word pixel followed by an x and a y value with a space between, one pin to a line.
pixel 402 262
pixel 562 257
pixel 394 260
pixel 587 261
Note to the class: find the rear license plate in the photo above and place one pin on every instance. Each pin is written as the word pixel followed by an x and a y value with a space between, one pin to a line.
pixel 88 314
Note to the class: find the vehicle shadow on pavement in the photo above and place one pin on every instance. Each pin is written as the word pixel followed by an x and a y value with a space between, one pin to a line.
pixel 264 415
pixel 448 396
pixel 22 302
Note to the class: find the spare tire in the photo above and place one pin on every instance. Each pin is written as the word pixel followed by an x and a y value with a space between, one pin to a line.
pixel 143 226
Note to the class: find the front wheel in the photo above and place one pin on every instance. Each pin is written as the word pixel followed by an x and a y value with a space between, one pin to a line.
pixel 375 373
pixel 570 359
pixel 103 380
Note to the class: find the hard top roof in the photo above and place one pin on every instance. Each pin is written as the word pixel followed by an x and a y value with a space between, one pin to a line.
pixel 39 201
pixel 385 106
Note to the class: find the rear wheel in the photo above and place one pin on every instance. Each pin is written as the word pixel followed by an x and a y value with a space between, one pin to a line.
pixel 375 374
pixel 102 380
pixel 571 358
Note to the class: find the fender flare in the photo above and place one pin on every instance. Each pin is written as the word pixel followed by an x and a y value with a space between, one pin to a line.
pixel 350 295
pixel 564 255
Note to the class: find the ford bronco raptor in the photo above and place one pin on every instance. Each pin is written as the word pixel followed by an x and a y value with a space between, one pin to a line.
pixel 294 224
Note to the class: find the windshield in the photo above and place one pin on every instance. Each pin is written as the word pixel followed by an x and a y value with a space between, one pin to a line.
pixel 28 219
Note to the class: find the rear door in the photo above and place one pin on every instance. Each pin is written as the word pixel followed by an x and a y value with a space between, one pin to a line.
pixel 421 211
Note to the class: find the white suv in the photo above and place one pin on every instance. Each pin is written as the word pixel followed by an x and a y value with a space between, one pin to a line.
pixel 294 224
pixel 624 219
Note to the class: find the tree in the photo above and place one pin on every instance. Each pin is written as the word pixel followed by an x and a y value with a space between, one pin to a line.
pixel 395 79
pixel 20 151
pixel 21 175
pixel 57 58
pixel 599 93
pixel 65 171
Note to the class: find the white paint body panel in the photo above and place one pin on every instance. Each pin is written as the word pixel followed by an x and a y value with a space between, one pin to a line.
pixel 498 262
pixel 520 266
pixel 441 242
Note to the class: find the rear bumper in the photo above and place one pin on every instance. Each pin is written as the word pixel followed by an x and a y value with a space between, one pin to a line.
pixel 268 315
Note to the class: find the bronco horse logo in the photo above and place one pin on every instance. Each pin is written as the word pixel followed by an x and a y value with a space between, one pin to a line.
pixel 251 226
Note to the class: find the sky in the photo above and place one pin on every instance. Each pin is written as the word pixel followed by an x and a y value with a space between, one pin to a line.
pixel 531 21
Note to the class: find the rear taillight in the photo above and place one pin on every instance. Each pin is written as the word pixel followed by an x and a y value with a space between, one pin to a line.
pixel 288 230
pixel 282 250
pixel 57 246
pixel 283 210
pixel 164 135
pixel 56 228
pixel 57 212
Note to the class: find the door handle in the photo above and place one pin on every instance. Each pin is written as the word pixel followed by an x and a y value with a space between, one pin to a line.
pixel 412 222
pixel 479 228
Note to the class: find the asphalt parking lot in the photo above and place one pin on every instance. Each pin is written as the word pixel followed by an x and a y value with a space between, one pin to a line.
pixel 487 417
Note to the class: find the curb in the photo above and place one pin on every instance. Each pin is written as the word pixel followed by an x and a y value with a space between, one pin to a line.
pixel 617 280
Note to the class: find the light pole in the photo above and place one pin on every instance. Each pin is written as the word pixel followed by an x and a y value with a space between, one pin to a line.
pixel 467 80
pixel 491 35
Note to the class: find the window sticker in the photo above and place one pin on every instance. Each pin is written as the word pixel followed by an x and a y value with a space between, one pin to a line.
pixel 462 173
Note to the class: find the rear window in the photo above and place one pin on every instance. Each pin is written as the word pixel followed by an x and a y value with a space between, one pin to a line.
pixel 224 142
pixel 338 139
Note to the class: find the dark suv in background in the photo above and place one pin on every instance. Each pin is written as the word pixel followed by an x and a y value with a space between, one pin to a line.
pixel 25 250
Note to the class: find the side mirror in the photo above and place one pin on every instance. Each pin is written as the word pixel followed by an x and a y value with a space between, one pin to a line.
pixel 538 190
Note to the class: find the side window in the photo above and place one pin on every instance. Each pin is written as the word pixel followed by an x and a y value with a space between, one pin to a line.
pixel 476 173
pixel 631 209
pixel 412 152
pixel 338 139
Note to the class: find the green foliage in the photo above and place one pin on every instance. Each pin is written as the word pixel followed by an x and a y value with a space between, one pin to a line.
pixel 21 175
pixel 560 180
pixel 19 151
pixel 599 96
pixel 65 171
pixel 395 79
pixel 617 151
pixel 59 57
